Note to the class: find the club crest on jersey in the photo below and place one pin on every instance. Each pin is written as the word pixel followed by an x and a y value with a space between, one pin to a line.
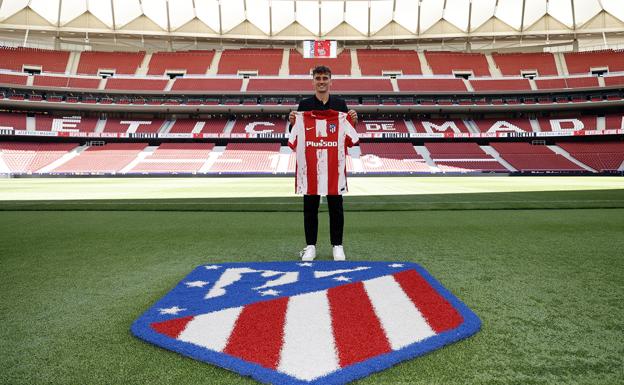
pixel 332 128
pixel 306 322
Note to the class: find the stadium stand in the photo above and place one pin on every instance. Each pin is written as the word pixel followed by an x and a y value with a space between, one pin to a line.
pixel 65 82
pixel 614 81
pixel 500 85
pixel 65 123
pixel 190 62
pixel 175 158
pixel 13 79
pixel 13 120
pixel 569 82
pixel 456 150
pixel 462 157
pixel 375 85
pixel 434 126
pixel 341 65
pixel 373 62
pixel 110 158
pixel 526 157
pixel 133 125
pixel 614 121
pixel 186 126
pixel 504 125
pixel 281 85
pixel 123 63
pixel 264 61
pixel 136 84
pixel 444 63
pixel 391 158
pixel 247 158
pixel 601 156
pixel 15 59
pixel 259 125
pixel 568 123
pixel 512 64
pixel 207 85
pixel 583 62
pixel 381 126
pixel 439 85
pixel 31 157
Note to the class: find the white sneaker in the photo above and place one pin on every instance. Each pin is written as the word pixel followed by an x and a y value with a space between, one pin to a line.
pixel 308 253
pixel 339 254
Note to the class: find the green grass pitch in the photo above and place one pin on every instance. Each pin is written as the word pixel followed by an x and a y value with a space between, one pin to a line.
pixel 540 260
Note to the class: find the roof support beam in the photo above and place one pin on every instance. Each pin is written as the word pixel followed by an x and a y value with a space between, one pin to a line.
pixel 319 18
pixel 169 40
pixel 522 17
pixel 469 17
pixel 220 20
pixel 168 17
pixel 58 16
pixel 113 13
pixel 369 19
pixel 419 13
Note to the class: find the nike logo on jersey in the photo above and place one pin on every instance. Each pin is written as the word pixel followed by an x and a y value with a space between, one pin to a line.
pixel 309 128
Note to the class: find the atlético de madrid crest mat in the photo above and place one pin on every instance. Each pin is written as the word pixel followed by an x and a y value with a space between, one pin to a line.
pixel 306 322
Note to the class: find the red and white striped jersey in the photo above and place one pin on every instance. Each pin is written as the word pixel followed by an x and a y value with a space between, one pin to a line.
pixel 320 140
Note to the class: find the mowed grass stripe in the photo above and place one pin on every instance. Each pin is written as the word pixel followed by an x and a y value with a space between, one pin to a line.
pixel 282 187
pixel 421 202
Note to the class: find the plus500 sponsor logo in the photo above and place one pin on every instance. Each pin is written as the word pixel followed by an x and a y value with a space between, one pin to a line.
pixel 321 143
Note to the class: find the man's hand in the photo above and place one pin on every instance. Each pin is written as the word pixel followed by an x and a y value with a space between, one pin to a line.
pixel 291 118
pixel 353 116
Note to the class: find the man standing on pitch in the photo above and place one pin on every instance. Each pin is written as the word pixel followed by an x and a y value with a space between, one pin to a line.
pixel 323 101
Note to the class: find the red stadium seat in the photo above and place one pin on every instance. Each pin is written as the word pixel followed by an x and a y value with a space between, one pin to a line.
pixel 526 157
pixel 247 158
pixel 601 156
pixel 136 84
pixel 264 61
pixel 444 63
pixel 15 59
pixel 30 157
pixel 583 62
pixel 259 126
pixel 514 63
pixel 431 85
pixel 207 85
pixel 123 63
pixel 110 158
pixel 373 62
pixel 190 62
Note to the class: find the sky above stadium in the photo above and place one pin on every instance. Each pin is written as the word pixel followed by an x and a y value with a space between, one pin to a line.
pixel 319 17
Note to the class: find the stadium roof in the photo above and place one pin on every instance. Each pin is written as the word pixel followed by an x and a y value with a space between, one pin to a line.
pixel 294 20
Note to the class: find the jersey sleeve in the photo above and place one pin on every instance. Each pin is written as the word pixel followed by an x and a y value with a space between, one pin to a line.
pixel 295 132
pixel 351 135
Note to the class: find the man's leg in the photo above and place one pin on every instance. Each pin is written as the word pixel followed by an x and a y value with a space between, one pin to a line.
pixel 336 219
pixel 310 217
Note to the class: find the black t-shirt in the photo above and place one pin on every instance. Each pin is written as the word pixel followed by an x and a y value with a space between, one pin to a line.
pixel 333 103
